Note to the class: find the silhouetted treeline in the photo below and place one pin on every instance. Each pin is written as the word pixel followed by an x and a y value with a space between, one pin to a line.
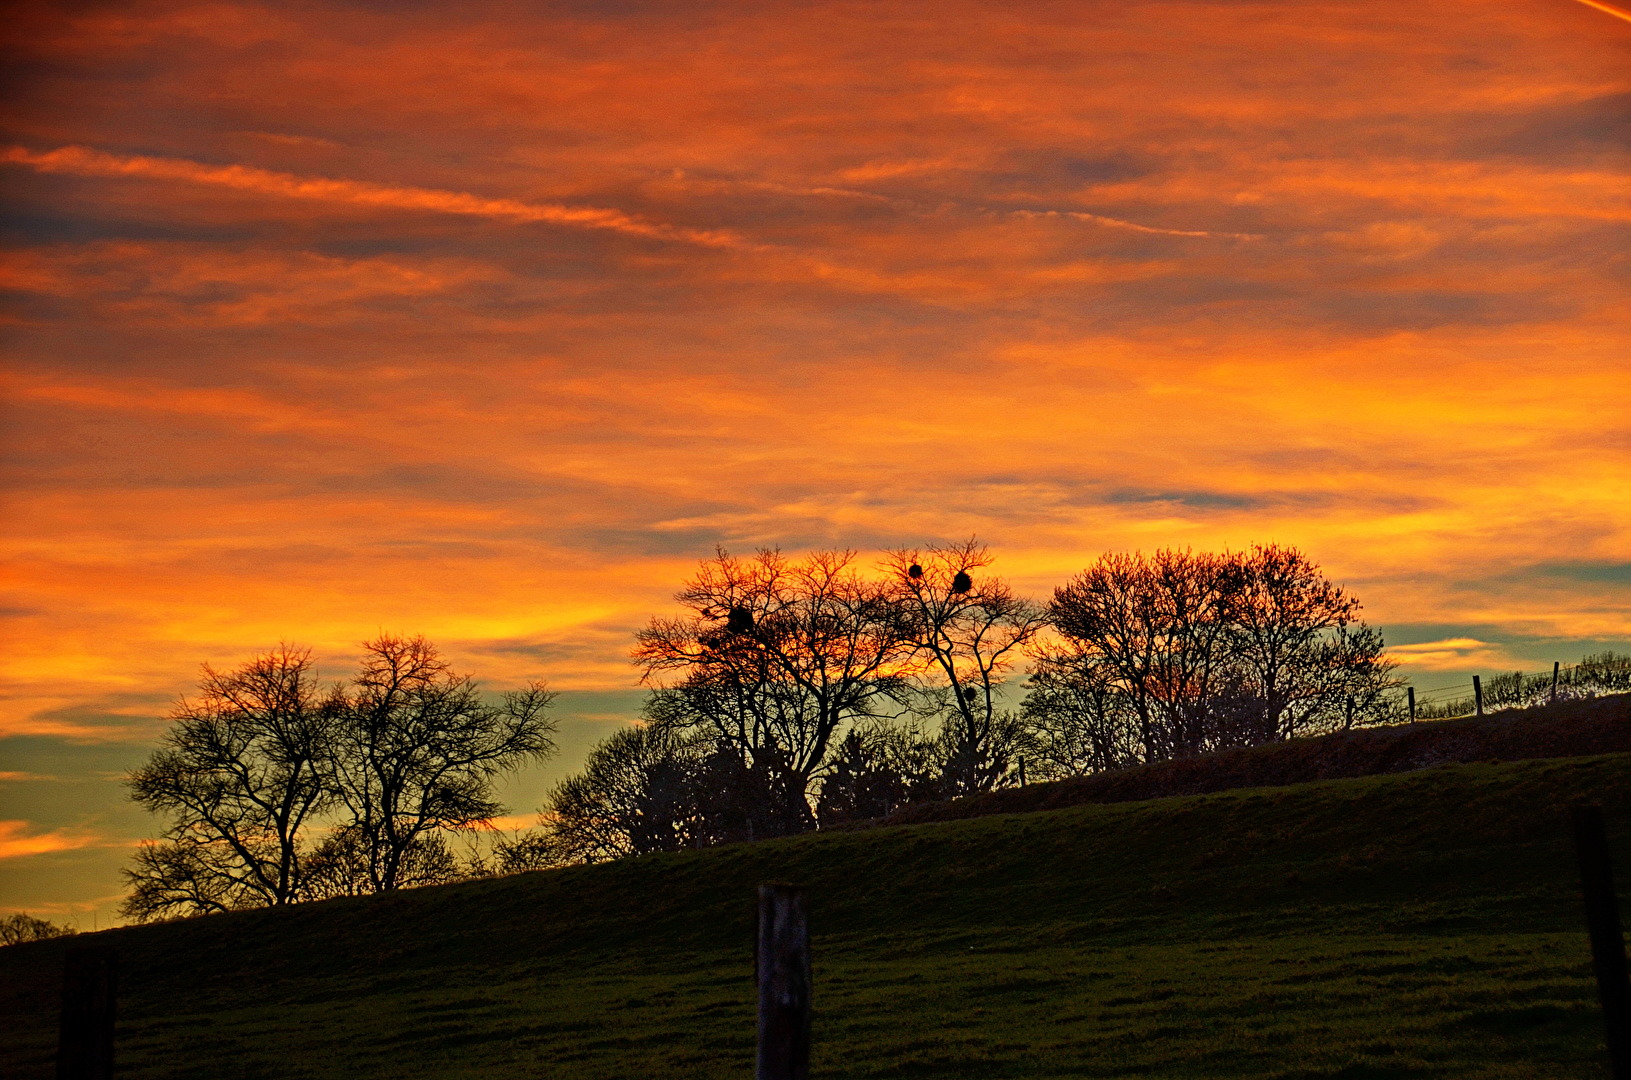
pixel 20 926
pixel 794 693
pixel 787 694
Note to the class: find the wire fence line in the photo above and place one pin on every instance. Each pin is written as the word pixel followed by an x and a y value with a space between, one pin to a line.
pixel 1593 676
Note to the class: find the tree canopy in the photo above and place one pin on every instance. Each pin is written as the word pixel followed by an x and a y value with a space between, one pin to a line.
pixel 277 790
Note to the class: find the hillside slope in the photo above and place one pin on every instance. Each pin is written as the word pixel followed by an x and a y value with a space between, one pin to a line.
pixel 1424 924
pixel 1565 729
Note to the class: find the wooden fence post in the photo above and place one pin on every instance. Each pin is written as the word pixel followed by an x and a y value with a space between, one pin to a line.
pixel 1410 692
pixel 1478 695
pixel 1555 665
pixel 783 962
pixel 1022 771
pixel 1607 940
pixel 89 993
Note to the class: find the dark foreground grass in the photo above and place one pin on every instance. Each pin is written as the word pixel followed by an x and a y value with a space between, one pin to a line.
pixel 1417 925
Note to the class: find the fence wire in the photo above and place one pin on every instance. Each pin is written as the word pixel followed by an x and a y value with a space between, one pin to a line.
pixel 1603 673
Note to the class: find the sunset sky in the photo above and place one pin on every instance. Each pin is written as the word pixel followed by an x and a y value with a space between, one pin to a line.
pixel 487 321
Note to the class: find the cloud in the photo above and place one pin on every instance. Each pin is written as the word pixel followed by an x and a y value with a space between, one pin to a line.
pixel 43 706
pixel 1600 573
pixel 85 161
pixel 71 912
pixel 19 839
pixel 1449 654
pixel 179 284
pixel 513 822
pixel 1100 219
pixel 1608 9
pixel 487 323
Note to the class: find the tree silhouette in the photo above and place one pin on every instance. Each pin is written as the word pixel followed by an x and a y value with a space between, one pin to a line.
pixel 967 629
pixel 774 658
pixel 240 775
pixel 416 750
pixel 1176 653
pixel 636 795
pixel 1304 660
pixel 276 792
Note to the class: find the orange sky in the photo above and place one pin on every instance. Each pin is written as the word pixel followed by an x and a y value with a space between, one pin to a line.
pixel 486 321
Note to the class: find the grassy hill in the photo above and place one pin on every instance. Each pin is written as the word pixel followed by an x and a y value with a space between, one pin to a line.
pixel 1423 924
pixel 1577 728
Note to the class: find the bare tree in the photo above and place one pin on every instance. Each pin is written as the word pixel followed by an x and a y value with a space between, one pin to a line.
pixel 263 764
pixel 1299 656
pixel 967 629
pixel 340 865
pixel 1078 718
pixel 1189 652
pixel 775 657
pixel 416 751
pixel 240 775
pixel 530 849
pixel 1159 626
pixel 19 927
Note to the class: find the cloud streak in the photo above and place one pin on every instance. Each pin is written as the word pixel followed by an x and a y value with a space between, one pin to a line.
pixel 1608 9
pixel 19 839
pixel 84 161
pixel 1117 223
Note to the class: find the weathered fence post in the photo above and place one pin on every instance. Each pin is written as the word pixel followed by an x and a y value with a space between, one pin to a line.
pixel 1607 940
pixel 89 991
pixel 1410 692
pixel 783 962
pixel 1021 772
pixel 1555 665
pixel 1478 695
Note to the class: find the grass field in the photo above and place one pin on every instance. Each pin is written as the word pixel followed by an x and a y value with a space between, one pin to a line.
pixel 1424 924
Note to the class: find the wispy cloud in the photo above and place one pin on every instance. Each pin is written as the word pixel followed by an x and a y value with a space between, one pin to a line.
pixel 1449 654
pixel 514 822
pixel 85 161
pixel 1608 9
pixel 1117 223
pixel 20 838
